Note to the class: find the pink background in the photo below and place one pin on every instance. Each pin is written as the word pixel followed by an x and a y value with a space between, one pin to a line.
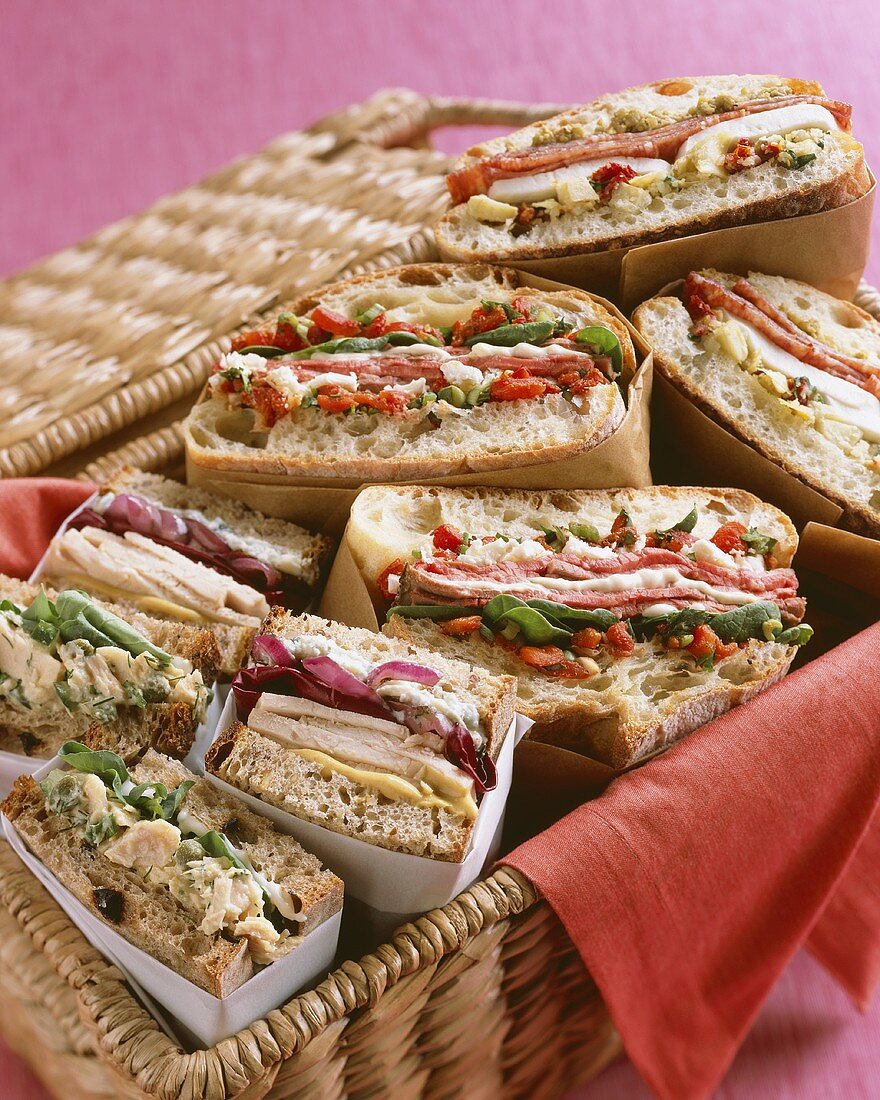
pixel 106 105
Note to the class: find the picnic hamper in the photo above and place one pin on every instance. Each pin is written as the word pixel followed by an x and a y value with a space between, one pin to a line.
pixel 485 997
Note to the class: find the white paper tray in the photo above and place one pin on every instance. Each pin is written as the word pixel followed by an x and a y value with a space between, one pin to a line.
pixel 189 1010
pixel 395 884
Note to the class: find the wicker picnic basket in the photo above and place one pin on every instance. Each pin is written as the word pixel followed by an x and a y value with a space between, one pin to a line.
pixel 486 997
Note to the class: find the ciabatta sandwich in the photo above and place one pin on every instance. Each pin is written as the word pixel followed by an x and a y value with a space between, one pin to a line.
pixel 365 735
pixel 185 555
pixel 791 371
pixel 629 616
pixel 416 372
pixel 178 868
pixel 661 160
pixel 70 667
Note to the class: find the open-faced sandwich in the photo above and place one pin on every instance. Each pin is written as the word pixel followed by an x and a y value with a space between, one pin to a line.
pixel 182 554
pixel 416 372
pixel 629 616
pixel 661 160
pixel 72 668
pixel 181 870
pixel 365 735
pixel 791 371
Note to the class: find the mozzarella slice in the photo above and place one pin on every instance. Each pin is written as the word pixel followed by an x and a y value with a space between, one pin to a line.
pixel 542 185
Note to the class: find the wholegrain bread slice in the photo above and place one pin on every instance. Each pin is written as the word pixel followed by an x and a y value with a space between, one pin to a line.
pixel 315 792
pixel 374 446
pixel 739 402
pixel 146 914
pixel 635 705
pixel 766 192
pixel 170 727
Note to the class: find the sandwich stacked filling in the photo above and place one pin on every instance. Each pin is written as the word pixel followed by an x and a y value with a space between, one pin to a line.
pixel 636 163
pixel 836 394
pixel 569 601
pixel 365 736
pixel 372 361
pixel 179 869
pixel 72 657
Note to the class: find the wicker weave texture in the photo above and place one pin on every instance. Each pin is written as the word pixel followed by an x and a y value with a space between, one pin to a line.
pixel 484 998
pixel 124 324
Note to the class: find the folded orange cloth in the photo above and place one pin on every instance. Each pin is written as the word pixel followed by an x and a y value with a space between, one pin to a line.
pixel 31 510
pixel 689 884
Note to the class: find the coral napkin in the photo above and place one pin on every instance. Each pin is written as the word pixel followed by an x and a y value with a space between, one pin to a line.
pixel 31 510
pixel 689 884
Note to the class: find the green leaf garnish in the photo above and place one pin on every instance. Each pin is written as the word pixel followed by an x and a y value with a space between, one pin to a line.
pixel 601 341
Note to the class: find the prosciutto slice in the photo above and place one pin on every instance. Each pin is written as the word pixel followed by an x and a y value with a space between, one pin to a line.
pixel 661 144
pixel 744 303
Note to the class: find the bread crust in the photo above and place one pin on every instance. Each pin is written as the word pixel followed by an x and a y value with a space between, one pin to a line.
pixel 605 408
pixel 856 516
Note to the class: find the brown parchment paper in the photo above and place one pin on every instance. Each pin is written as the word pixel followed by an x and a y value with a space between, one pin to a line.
pixel 828 249
pixel 621 460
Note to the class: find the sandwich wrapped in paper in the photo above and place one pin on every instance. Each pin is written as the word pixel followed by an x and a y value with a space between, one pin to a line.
pixel 629 617
pixel 70 667
pixel 148 543
pixel 177 868
pixel 419 372
pixel 789 371
pixel 650 163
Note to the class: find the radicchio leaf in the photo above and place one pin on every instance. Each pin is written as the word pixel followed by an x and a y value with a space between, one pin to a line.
pixel 461 750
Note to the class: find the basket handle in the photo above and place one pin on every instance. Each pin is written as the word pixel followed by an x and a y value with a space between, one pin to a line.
pixel 404 118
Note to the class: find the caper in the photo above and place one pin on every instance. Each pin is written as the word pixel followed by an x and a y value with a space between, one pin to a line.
pixel 64 795
pixel 155 688
pixel 187 852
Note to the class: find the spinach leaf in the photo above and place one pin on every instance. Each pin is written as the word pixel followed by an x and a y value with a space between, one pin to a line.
pixel 795 635
pixel 687 524
pixel 264 350
pixel 601 341
pixel 575 618
pixel 350 344
pixel 439 612
pixel 555 537
pixel 508 336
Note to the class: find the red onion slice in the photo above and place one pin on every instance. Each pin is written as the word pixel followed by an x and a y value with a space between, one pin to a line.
pixel 204 536
pixel 338 679
pixel 403 670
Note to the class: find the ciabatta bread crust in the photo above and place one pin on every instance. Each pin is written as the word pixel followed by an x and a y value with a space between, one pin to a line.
pixel 375 447
pixel 739 403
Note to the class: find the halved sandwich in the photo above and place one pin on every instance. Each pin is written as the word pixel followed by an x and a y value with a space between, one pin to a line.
pixel 70 667
pixel 185 555
pixel 629 616
pixel 652 162
pixel 791 371
pixel 416 372
pixel 181 870
pixel 365 735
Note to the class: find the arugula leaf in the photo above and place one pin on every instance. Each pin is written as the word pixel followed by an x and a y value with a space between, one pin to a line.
pixel 105 764
pixel 758 543
pixel 585 531
pixel 601 341
pixel 173 800
pixel 153 800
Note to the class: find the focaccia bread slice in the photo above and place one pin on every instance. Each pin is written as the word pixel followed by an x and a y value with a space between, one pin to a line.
pixel 270 424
